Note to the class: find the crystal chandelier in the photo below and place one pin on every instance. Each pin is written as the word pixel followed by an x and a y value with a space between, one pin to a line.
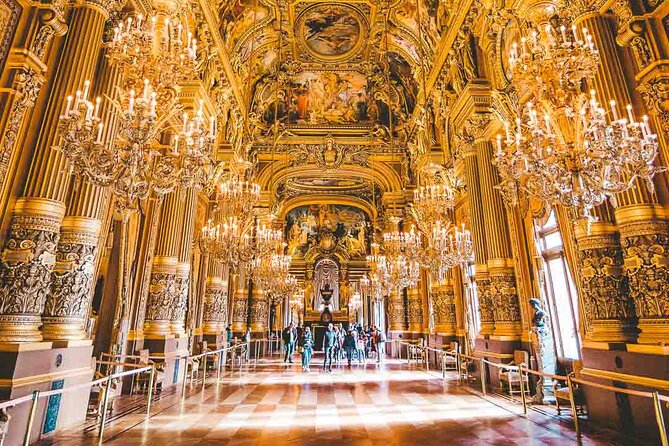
pixel 229 241
pixel 436 196
pixel 159 48
pixel 566 149
pixel 448 247
pixel 399 267
pixel 237 195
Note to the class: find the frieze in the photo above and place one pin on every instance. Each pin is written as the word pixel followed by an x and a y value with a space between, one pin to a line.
pixel 647 269
pixel 162 290
pixel 603 284
pixel 486 307
pixel 443 304
pixel 504 298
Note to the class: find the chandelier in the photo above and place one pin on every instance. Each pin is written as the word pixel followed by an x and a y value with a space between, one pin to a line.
pixel 566 149
pixel 448 247
pixel 236 195
pixel 436 196
pixel 159 48
pixel 229 241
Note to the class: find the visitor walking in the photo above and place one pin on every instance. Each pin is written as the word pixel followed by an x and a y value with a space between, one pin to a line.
pixel 307 344
pixel 381 345
pixel 329 342
pixel 349 346
pixel 360 344
pixel 288 336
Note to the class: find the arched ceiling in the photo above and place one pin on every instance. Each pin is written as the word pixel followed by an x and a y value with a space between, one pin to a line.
pixel 333 87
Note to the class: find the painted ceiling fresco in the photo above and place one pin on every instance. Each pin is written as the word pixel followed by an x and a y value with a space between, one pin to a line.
pixel 344 60
pixel 327 227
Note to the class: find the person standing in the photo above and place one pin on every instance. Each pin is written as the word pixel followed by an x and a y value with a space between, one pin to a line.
pixel 329 341
pixel 349 345
pixel 288 336
pixel 381 345
pixel 307 344
pixel 360 347
pixel 247 348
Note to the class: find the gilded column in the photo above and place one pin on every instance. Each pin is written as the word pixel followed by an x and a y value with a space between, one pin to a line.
pixel 414 310
pixel 443 307
pixel 163 292
pixel 479 237
pixel 215 301
pixel 67 305
pixel 258 310
pixel 182 279
pixel 502 290
pixel 240 304
pixel 608 314
pixel 396 311
pixel 30 252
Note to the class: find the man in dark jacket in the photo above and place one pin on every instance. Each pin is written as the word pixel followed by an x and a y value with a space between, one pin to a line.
pixel 329 341
pixel 288 336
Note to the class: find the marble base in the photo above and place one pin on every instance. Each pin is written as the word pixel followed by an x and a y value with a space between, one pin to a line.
pixel 171 349
pixel 43 366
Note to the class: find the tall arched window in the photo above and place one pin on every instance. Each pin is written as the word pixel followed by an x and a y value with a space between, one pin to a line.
pixel 559 289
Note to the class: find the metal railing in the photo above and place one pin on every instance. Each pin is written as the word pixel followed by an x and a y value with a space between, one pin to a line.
pixel 523 371
pixel 104 383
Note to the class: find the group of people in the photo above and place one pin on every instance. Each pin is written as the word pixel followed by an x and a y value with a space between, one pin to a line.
pixel 356 342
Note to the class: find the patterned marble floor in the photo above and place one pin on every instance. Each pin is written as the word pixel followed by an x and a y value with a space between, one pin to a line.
pixel 276 404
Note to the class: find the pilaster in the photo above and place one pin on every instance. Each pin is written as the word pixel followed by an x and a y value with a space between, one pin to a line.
pixel 443 307
pixel 396 311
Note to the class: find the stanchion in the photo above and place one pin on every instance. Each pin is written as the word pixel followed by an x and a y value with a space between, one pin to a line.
pixel 660 419
pixel 103 419
pixel 152 375
pixel 218 368
pixel 443 365
pixel 204 371
pixel 483 378
pixel 572 403
pixel 31 418
pixel 183 383
pixel 522 388
pixel 426 355
pixel 458 364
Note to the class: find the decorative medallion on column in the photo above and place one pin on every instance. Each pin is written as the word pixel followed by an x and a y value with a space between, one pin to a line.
pixel 66 310
pixel 27 263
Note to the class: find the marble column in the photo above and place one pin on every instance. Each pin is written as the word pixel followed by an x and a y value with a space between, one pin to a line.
pixel 502 289
pixel 163 293
pixel 258 310
pixel 479 239
pixel 68 303
pixel 414 310
pixel 396 311
pixel 215 301
pixel 240 304
pixel 443 307
pixel 183 271
pixel 30 253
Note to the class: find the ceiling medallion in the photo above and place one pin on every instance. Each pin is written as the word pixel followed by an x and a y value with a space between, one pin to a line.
pixel 330 32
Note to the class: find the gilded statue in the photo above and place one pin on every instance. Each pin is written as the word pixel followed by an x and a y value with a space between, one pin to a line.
pixel 344 294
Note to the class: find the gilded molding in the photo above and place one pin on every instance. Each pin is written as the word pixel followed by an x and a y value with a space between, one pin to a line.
pixel 27 85
pixel 239 309
pixel 258 310
pixel 27 262
pixel 163 292
pixel 443 307
pixel 504 297
pixel 395 312
pixel 215 312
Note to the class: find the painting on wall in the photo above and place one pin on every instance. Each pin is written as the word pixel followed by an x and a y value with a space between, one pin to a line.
pixel 434 17
pixel 331 30
pixel 327 226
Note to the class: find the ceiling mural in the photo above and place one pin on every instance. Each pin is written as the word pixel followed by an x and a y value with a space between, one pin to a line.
pixel 330 30
pixel 327 228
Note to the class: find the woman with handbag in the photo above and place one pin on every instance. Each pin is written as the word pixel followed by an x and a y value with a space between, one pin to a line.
pixel 307 344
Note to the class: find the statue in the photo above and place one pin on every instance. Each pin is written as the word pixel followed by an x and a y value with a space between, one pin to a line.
pixel 309 294
pixel 344 294
pixel 542 344
pixel 539 319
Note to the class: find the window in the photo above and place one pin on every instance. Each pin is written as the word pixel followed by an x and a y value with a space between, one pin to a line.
pixel 560 291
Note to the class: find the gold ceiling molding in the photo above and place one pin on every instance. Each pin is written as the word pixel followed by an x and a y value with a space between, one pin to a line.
pixel 305 200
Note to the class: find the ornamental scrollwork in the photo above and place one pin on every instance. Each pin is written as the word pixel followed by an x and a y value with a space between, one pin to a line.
pixel 215 305
pixel 181 285
pixel 486 307
pixel 604 286
pixel 443 304
pixel 414 308
pixel 240 309
pixel 72 278
pixel 330 155
pixel 162 290
pixel 647 269
pixel 504 297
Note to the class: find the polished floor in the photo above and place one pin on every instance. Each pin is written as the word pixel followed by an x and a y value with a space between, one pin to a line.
pixel 277 404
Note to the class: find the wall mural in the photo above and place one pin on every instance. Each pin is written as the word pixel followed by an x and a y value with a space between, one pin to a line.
pixel 434 18
pixel 331 30
pixel 327 227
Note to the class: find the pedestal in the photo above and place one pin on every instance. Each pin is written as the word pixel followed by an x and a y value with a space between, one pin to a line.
pixel 43 366
pixel 172 350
